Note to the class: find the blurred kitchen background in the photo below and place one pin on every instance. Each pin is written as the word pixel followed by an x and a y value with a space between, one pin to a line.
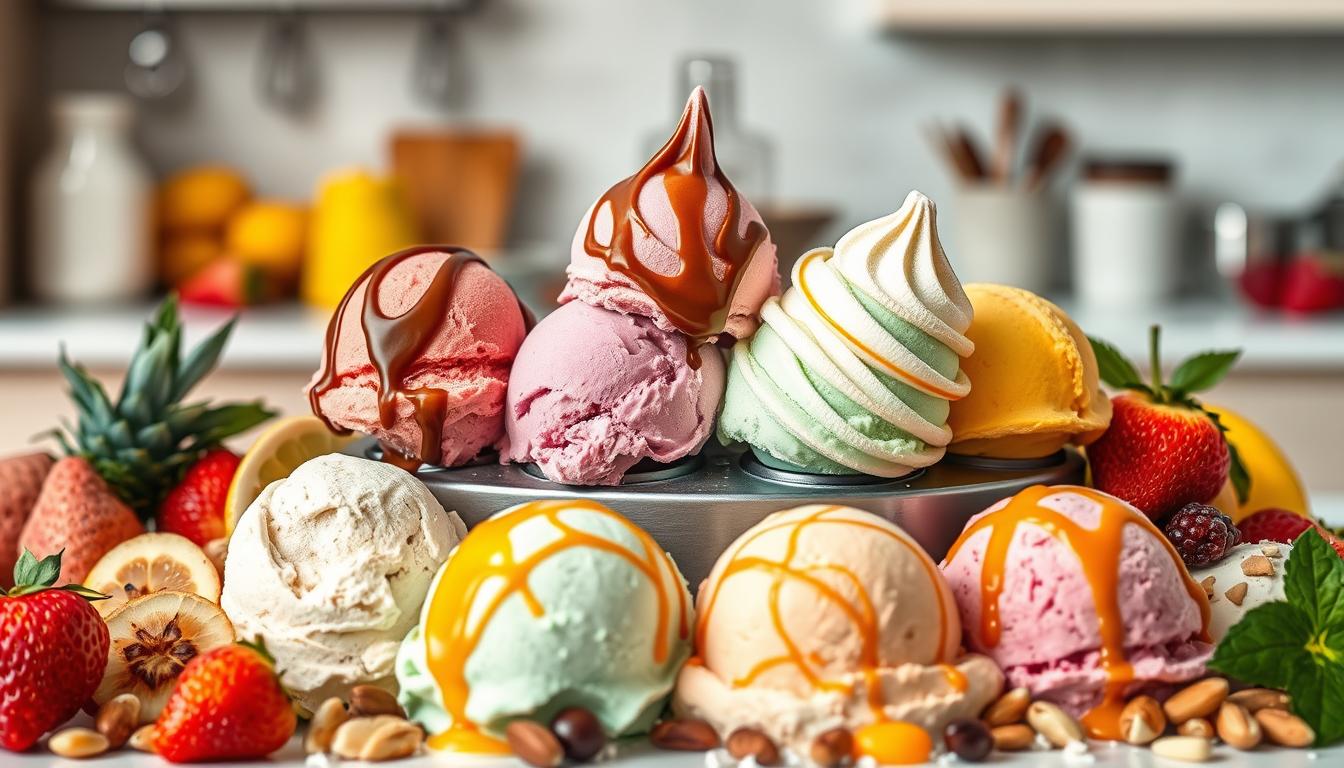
pixel 1173 161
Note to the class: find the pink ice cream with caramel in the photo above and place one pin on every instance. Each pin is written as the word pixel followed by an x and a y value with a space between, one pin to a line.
pixel 676 242
pixel 418 356
pixel 1079 598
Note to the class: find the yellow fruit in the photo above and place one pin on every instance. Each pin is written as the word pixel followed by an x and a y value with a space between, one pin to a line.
pixel 186 253
pixel 1274 482
pixel 277 452
pixel 270 235
pixel 1226 501
pixel 152 562
pixel 201 198
pixel 357 220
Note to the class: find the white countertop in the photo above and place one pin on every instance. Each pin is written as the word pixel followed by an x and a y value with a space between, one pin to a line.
pixel 290 337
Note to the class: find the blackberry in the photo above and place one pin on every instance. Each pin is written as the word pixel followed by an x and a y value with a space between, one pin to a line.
pixel 1202 534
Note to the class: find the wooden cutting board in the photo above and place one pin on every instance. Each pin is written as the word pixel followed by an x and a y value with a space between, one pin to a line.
pixel 459 183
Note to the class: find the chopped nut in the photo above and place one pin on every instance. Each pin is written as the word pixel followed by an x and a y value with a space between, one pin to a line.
pixel 1271 550
pixel 1207 584
pixel 1237 593
pixel 1257 565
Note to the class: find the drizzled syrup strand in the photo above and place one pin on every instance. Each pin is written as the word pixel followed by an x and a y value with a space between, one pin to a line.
pixel 697 299
pixel 396 343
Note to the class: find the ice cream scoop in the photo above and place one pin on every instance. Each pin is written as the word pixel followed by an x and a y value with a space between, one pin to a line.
pixel 676 242
pixel 1232 592
pixel 827 616
pixel 853 369
pixel 418 356
pixel 329 568
pixel 1079 598
pixel 1034 379
pixel 594 391
pixel 546 605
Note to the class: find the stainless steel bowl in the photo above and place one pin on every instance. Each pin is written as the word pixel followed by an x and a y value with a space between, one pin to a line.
pixel 697 507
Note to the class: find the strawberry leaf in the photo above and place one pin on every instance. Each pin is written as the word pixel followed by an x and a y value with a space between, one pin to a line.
pixel 1202 371
pixel 1116 370
pixel 33 575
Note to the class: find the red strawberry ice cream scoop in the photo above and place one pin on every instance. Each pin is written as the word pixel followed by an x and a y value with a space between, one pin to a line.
pixel 1069 590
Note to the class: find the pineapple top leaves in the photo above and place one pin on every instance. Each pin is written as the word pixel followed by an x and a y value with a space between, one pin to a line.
pixel 143 443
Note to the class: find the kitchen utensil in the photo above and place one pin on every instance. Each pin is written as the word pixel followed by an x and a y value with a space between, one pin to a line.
pixel 1125 229
pixel 1005 147
pixel 156 67
pixel 459 183
pixel 968 155
pixel 92 204
pixel 696 508
pixel 1048 151
pixel 286 72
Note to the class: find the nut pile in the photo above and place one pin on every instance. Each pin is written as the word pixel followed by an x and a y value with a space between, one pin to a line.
pixel 574 734
pixel 114 727
pixel 372 728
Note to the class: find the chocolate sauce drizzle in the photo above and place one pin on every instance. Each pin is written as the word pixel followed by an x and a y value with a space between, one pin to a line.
pixel 395 344
pixel 698 298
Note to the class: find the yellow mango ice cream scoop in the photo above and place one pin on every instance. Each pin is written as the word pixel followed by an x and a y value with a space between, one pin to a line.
pixel 1034 379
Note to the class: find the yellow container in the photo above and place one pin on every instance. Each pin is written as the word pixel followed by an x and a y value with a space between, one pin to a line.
pixel 358 219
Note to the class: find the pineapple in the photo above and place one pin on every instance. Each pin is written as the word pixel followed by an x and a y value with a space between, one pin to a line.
pixel 142 445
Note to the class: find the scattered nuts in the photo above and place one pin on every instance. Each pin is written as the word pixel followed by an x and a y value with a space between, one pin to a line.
pixel 143 738
pixel 78 743
pixel 832 748
pixel 1237 728
pixel 384 737
pixel 1237 593
pixel 534 744
pixel 1199 699
pixel 1207 584
pixel 1256 699
pixel 1142 720
pixel 1012 738
pixel 1257 565
pixel 371 701
pixel 580 733
pixel 685 735
pixel 749 742
pixel 1197 727
pixel 329 716
pixel 969 740
pixel 1271 550
pixel 118 718
pixel 1009 708
pixel 1285 728
pixel 1053 723
pixel 1188 749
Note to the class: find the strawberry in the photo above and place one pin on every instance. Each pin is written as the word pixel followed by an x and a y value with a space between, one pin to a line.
pixel 1274 525
pixel 1163 450
pixel 195 507
pixel 20 483
pixel 77 510
pixel 225 283
pixel 228 705
pixel 53 650
pixel 1314 283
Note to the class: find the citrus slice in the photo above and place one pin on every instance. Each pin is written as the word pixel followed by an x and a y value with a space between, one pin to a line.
pixel 277 452
pixel 149 563
pixel 153 638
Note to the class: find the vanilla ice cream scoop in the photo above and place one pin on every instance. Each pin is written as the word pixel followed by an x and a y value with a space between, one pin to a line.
pixel 826 616
pixel 329 568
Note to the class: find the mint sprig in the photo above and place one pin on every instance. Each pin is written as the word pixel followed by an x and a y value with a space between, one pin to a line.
pixel 1197 374
pixel 1297 645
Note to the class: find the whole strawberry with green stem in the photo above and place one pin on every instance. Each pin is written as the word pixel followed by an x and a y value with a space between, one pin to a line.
pixel 53 651
pixel 1163 449
pixel 228 704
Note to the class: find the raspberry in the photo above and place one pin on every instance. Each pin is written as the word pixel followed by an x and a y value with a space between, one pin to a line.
pixel 1201 534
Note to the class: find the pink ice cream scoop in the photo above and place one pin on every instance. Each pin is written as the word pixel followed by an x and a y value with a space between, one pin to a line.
pixel 676 242
pixel 418 356
pixel 1079 598
pixel 594 392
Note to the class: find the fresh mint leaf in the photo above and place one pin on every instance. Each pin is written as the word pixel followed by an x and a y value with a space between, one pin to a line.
pixel 1314 582
pixel 1115 368
pixel 1203 371
pixel 1265 646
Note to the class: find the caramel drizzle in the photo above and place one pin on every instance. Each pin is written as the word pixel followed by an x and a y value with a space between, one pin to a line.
pixel 863 616
pixel 1098 551
pixel 888 366
pixel 697 300
pixel 395 344
pixel 453 628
